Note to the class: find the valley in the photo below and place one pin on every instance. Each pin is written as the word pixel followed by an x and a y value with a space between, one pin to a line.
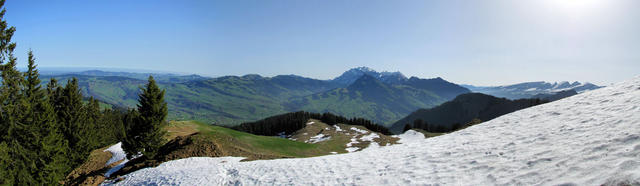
pixel 561 142
pixel 231 100
pixel 332 92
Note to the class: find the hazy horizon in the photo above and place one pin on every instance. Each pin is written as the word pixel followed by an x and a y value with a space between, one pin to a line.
pixel 479 43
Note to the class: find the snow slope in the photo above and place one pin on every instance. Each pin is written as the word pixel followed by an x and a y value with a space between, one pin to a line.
pixel 588 139
pixel 117 154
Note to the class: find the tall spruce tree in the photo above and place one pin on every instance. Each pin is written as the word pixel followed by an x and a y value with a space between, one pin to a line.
pixel 146 133
pixel 18 155
pixel 70 113
pixel 52 148
pixel 90 130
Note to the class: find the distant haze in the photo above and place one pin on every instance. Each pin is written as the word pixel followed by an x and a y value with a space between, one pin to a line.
pixel 493 42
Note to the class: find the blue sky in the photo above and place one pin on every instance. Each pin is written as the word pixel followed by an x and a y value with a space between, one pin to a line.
pixel 474 42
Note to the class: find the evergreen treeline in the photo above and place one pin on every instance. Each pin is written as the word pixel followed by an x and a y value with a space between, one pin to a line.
pixel 420 124
pixel 45 131
pixel 294 121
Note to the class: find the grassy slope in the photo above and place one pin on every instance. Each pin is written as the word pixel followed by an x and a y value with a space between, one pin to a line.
pixel 230 139
pixel 235 143
pixel 267 145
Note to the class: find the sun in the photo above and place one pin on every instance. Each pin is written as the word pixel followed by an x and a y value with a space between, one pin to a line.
pixel 576 5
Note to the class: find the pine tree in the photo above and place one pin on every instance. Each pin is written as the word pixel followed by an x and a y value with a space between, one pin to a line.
pixel 90 131
pixel 146 133
pixel 131 138
pixel 53 92
pixel 17 153
pixel 21 137
pixel 71 115
pixel 51 147
pixel 4 164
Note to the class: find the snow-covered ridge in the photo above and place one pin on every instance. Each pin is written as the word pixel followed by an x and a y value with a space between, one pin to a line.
pixel 528 89
pixel 588 139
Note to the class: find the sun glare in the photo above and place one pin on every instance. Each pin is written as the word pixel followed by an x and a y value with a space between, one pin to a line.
pixel 576 5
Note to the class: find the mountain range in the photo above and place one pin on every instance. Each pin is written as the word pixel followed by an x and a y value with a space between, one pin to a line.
pixel 383 97
pixel 530 89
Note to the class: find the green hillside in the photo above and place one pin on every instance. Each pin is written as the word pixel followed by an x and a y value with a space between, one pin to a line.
pixel 369 98
pixel 224 100
pixel 231 100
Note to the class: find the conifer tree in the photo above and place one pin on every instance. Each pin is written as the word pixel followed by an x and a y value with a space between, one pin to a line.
pixel 146 132
pixel 4 163
pixel 53 92
pixel 51 147
pixel 71 115
pixel 131 139
pixel 17 153
pixel 89 128
pixel 21 137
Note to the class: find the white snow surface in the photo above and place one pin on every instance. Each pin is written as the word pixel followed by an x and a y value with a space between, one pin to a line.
pixel 370 137
pixel 359 130
pixel 117 154
pixel 338 129
pixel 351 149
pixel 318 138
pixel 588 139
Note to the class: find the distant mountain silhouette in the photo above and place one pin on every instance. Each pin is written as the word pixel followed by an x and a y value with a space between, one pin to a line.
pixel 555 96
pixel 438 86
pixel 463 109
pixel 382 97
pixel 353 74
pixel 529 89
pixel 371 98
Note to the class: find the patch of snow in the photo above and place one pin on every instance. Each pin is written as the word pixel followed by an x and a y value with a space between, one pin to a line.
pixel 353 141
pixel 310 123
pixel 318 138
pixel 370 137
pixel 359 130
pixel 338 129
pixel 531 89
pixel 351 149
pixel 587 139
pixel 334 152
pixel 409 136
pixel 117 154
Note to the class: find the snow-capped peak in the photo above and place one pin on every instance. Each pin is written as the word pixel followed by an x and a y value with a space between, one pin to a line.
pixel 353 74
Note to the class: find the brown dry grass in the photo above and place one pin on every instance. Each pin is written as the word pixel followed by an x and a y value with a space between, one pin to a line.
pixel 92 171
